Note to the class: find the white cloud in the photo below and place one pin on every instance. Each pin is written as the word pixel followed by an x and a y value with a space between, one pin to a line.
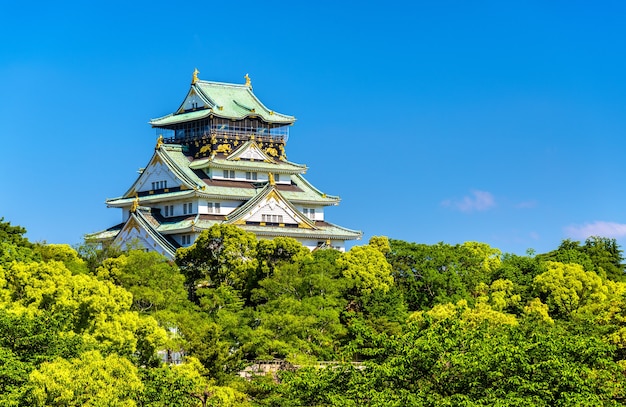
pixel 598 228
pixel 478 201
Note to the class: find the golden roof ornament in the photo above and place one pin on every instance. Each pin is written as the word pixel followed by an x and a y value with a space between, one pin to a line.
pixel 194 77
pixel 159 142
pixel 133 208
pixel 248 81
pixel 271 178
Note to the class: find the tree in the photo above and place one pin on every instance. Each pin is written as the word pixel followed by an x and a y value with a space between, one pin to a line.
pixel 155 283
pixel 598 254
pixel 607 257
pixel 566 287
pixel 63 253
pixel 367 268
pixel 426 274
pixel 298 316
pixel 88 380
pixel 271 253
pixel 13 235
pixel 13 245
pixel 97 310
pixel 223 254
pixel 445 362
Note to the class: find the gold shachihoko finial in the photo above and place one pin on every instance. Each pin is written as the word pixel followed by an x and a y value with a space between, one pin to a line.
pixel 271 178
pixel 159 142
pixel 248 81
pixel 194 77
pixel 133 208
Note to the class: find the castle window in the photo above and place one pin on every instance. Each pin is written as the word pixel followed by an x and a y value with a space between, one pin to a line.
pixel 187 208
pixel 276 177
pixel 309 213
pixel 213 207
pixel 251 175
pixel 229 174
pixel 186 239
pixel 159 185
pixel 169 210
pixel 272 218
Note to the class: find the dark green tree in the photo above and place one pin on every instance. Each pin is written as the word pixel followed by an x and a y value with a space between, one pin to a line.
pixel 223 254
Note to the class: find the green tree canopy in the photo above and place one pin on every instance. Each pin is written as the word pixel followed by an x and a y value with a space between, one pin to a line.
pixel 223 254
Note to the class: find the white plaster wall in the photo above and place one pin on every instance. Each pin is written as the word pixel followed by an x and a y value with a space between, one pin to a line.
pixel 178 207
pixel 155 173
pixel 319 211
pixel 226 207
pixel 241 176
pixel 267 210
pixel 191 99
pixel 271 207
pixel 179 239
pixel 313 243
pixel 252 153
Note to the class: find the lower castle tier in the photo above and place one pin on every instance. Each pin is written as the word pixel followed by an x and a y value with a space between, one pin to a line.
pixel 222 161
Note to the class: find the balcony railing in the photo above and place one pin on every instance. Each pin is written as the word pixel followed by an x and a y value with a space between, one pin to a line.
pixel 279 135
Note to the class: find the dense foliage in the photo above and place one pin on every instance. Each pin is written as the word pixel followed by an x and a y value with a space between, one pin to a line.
pixel 389 323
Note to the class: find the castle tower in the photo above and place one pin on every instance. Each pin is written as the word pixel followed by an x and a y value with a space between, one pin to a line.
pixel 220 158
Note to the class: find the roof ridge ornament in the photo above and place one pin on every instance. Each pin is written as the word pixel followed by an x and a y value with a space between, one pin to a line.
pixel 248 81
pixel 159 142
pixel 271 179
pixel 135 206
pixel 194 76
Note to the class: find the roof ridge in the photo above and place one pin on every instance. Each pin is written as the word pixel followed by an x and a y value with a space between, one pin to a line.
pixel 160 239
pixel 268 189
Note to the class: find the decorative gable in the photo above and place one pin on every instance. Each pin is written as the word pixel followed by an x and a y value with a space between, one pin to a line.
pixel 270 207
pixel 156 176
pixel 193 101
pixel 250 151
pixel 272 211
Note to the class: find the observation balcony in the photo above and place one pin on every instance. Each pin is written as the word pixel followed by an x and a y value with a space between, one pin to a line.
pixel 262 134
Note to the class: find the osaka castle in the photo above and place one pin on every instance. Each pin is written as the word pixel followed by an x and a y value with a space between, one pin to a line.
pixel 220 159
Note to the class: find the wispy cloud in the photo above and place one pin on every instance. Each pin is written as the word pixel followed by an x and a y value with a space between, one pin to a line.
pixel 477 201
pixel 598 228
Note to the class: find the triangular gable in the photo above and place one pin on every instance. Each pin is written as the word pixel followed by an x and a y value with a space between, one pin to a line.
pixel 194 100
pixel 138 230
pixel 269 206
pixel 160 168
pixel 250 150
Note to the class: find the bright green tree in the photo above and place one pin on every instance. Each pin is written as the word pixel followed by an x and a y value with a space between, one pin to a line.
pixel 567 287
pixel 63 253
pixel 367 269
pixel 154 282
pixel 90 379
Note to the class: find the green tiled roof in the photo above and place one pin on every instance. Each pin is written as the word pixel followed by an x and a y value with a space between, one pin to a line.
pixel 173 156
pixel 227 100
pixel 329 231
pixel 322 230
pixel 280 167
pixel 166 246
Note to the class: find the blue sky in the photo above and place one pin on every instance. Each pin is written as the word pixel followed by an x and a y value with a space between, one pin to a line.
pixel 498 122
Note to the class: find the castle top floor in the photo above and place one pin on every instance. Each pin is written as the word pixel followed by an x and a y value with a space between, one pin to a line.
pixel 224 110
